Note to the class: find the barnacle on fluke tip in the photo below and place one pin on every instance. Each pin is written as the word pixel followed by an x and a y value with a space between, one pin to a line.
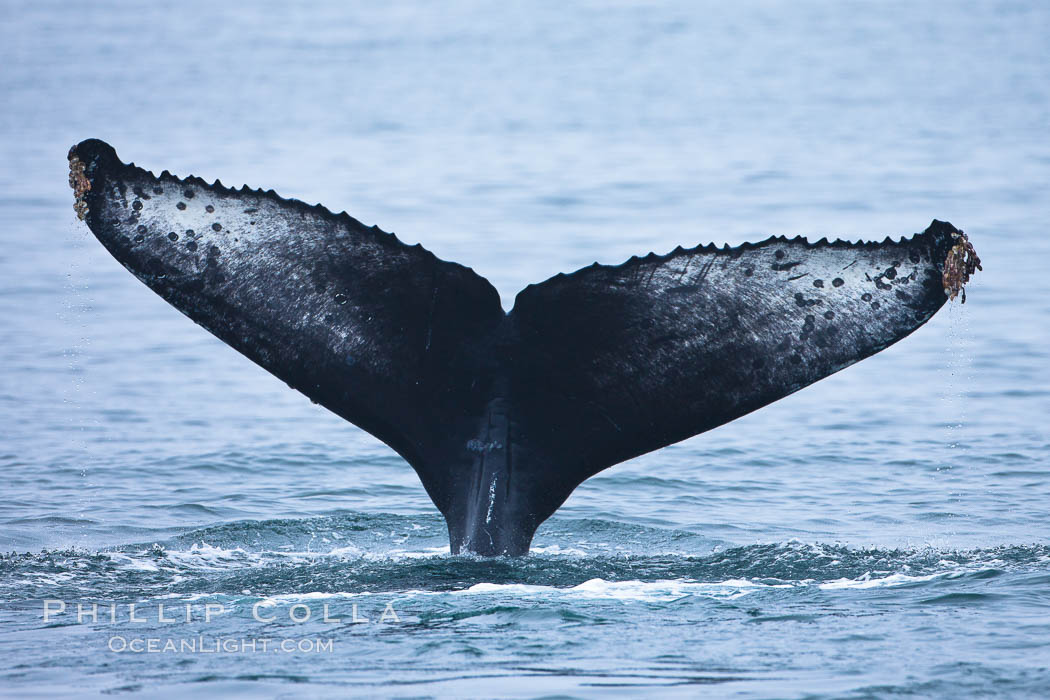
pixel 961 263
pixel 79 182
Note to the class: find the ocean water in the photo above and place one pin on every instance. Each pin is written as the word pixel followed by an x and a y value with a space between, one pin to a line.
pixel 882 533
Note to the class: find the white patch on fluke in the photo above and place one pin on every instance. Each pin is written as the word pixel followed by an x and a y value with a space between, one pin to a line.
pixel 492 499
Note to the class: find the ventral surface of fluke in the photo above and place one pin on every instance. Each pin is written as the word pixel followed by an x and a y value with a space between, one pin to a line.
pixel 501 414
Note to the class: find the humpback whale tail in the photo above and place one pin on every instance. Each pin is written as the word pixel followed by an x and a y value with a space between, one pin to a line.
pixel 502 415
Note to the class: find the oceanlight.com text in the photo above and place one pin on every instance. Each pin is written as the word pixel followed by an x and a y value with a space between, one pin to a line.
pixel 219 645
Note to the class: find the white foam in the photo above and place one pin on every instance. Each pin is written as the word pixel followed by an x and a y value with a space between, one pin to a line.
pixel 867 581
pixel 133 563
pixel 408 554
pixel 205 557
pixel 596 588
pixel 554 549
pixel 317 595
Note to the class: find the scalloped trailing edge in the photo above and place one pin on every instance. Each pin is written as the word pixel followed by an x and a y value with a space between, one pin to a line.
pixel 81 185
pixel 726 249
pixel 959 265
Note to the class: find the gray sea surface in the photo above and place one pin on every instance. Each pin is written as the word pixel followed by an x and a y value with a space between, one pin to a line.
pixel 883 533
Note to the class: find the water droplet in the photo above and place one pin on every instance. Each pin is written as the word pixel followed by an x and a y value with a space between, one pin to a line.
pixel 340 299
pixel 173 236
pixel 838 282
pixel 139 238
pixel 192 246
pixel 216 227
pixel 209 209
pixel 180 206
pixel 141 228
pixel 136 205
pixel 188 194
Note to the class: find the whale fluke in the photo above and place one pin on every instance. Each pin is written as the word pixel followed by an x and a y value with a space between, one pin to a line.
pixel 502 415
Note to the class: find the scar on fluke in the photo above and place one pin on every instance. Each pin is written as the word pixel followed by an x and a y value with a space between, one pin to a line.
pixel 502 414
